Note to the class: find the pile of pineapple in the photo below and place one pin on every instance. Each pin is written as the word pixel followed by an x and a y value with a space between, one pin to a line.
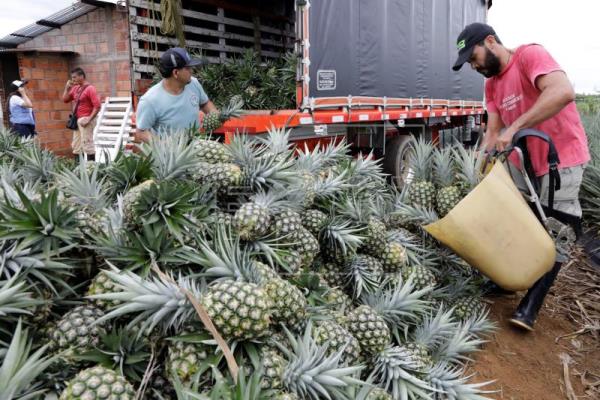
pixel 314 270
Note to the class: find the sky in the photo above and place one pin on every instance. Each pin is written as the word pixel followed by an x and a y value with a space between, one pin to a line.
pixel 569 29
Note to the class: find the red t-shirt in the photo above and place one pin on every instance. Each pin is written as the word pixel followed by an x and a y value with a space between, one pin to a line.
pixel 89 100
pixel 513 92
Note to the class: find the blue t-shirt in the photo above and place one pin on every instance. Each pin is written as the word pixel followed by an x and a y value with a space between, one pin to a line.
pixel 159 110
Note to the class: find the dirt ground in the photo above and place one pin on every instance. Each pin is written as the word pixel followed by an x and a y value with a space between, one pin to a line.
pixel 565 343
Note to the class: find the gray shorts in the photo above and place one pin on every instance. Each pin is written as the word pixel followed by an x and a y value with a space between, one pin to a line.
pixel 567 198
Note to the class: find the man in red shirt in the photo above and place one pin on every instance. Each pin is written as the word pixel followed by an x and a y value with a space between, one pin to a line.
pixel 87 103
pixel 526 88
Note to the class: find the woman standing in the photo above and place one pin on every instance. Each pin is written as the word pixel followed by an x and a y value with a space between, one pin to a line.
pixel 21 110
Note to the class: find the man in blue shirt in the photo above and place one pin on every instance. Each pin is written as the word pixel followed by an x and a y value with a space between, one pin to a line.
pixel 20 108
pixel 173 104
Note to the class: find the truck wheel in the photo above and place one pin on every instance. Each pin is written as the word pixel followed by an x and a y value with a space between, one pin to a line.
pixel 395 160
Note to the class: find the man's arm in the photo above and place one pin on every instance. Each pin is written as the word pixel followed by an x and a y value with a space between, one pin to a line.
pixel 66 96
pixel 208 107
pixel 494 126
pixel 26 101
pixel 556 93
pixel 93 95
pixel 141 136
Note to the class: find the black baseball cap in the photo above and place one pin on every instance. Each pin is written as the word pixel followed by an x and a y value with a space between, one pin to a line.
pixel 470 36
pixel 178 57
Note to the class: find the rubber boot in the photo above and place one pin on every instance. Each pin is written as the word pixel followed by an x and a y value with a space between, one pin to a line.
pixel 529 307
pixel 91 157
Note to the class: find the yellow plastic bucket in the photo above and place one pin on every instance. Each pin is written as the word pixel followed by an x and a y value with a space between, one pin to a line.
pixel 495 231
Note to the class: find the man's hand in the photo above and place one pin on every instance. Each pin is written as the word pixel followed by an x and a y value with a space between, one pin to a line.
pixel 21 90
pixel 69 84
pixel 84 121
pixel 505 138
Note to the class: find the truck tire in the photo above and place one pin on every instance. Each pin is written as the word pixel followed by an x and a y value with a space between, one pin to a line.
pixel 395 160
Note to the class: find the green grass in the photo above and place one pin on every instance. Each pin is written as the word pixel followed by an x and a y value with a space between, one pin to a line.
pixel 590 188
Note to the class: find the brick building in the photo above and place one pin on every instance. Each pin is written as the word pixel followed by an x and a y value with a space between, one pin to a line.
pixel 118 42
pixel 93 37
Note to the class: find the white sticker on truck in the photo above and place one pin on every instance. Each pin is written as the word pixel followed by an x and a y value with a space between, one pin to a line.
pixel 326 79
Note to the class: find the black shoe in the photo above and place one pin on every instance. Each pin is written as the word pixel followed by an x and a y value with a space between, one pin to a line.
pixel 529 307
pixel 91 157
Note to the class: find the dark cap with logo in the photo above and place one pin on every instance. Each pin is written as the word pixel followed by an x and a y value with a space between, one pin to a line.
pixel 177 57
pixel 470 36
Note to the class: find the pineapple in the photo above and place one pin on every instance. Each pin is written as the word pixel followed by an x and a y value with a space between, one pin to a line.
pixel 286 223
pixel 214 120
pixel 337 299
pixel 421 190
pixel 314 221
pixel 98 383
pixel 369 329
pixel 448 194
pixel 378 394
pixel 273 366
pixel 132 198
pixel 306 245
pixel 252 219
pixel 184 357
pixel 103 284
pixel 220 176
pixel 393 257
pixel 78 330
pixel 289 304
pixel 422 276
pixel 338 339
pixel 212 152
pixel 467 307
pixel 239 310
pixel 333 274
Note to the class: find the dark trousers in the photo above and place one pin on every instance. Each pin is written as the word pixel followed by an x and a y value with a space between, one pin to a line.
pixel 24 130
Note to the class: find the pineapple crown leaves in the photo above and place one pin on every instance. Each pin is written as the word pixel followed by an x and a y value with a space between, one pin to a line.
pixel 32 267
pixel 169 204
pixel 128 170
pixel 311 373
pixel 29 189
pixel 157 303
pixel 138 250
pixel 43 225
pixel 443 167
pixel 469 164
pixel 14 299
pixel 453 383
pixel 275 201
pixel 277 140
pixel 121 350
pixel 331 185
pixel 400 306
pixel 9 141
pixel 364 171
pixel 36 163
pixel 434 329
pixel 415 214
pixel 10 174
pixel 21 367
pixel 224 258
pixel 455 349
pixel 421 158
pixel 341 234
pixel 172 155
pixel 394 369
pixel 232 109
pixel 364 273
pixel 84 187
pixel 481 324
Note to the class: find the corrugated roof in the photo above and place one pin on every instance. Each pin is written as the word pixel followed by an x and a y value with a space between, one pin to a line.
pixel 46 24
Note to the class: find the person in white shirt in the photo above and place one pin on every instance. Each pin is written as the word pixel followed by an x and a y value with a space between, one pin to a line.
pixel 20 109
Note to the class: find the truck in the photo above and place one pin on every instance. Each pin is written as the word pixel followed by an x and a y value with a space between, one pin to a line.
pixel 375 72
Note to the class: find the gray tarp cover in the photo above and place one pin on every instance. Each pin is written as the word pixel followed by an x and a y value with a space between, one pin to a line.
pixel 393 48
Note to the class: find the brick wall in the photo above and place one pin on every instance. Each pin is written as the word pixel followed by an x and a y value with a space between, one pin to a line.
pixel 100 40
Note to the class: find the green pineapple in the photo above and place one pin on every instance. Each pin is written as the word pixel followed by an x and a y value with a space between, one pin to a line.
pixel 289 304
pixel 212 152
pixel 337 299
pixel 220 176
pixel 421 190
pixel 273 366
pixel 286 223
pixel 214 120
pixel 369 329
pixel 98 383
pixel 338 339
pixel 422 277
pixel 467 307
pixel 253 219
pixel 378 394
pixel 393 257
pixel 78 330
pixel 314 221
pixel 239 310
pixel 184 357
pixel 448 194
pixel 306 245
pixel 102 284
pixel 333 274
pixel 132 198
